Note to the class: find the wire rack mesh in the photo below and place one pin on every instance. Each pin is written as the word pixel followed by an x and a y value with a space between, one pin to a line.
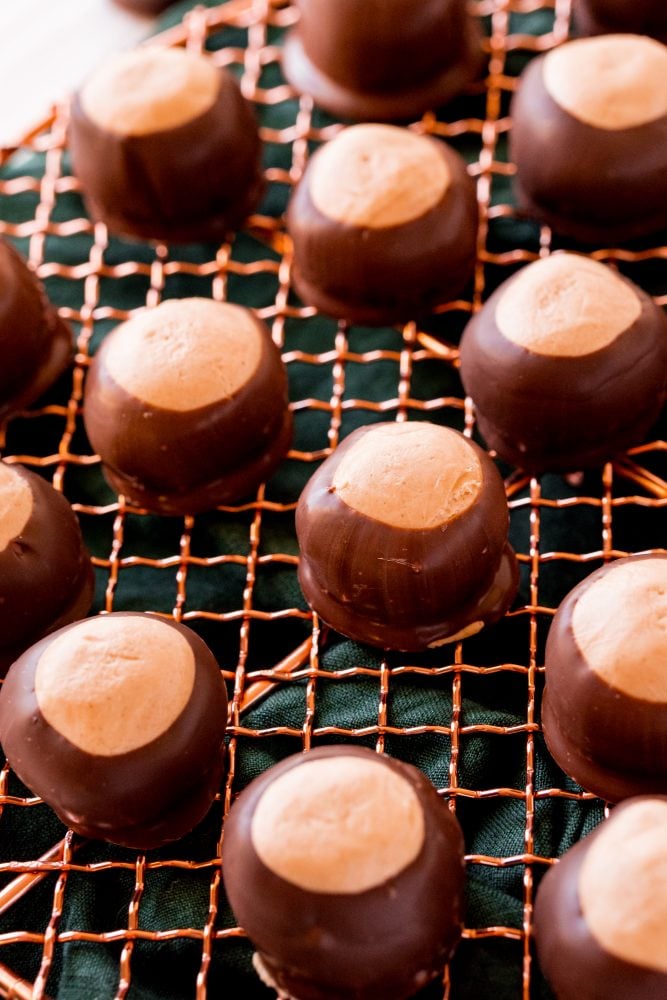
pixel 227 573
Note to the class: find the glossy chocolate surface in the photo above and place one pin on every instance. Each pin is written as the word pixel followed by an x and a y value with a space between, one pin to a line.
pixel 46 577
pixel 197 181
pixel 639 17
pixel 404 589
pixel 547 413
pixel 141 798
pixel 616 192
pixel 577 967
pixel 388 275
pixel 381 944
pixel 187 461
pixel 611 743
pixel 36 345
pixel 384 61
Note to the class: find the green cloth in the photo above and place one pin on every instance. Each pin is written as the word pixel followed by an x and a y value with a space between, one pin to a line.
pixel 177 896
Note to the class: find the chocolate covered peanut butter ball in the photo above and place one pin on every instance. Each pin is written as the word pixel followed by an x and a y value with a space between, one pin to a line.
pixel 36 344
pixel 384 225
pixel 589 138
pixel 186 404
pixel 346 871
pixel 382 61
pixel 601 913
pixel 165 146
pixel 604 711
pixel 643 17
pixel 118 722
pixel 566 364
pixel 403 538
pixel 46 577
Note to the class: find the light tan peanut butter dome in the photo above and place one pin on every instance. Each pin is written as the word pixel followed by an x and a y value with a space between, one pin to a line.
pixel 149 90
pixel 610 82
pixel 377 176
pixel 411 475
pixel 16 504
pixel 338 825
pixel 623 885
pixel 185 353
pixel 620 625
pixel 566 306
pixel 110 685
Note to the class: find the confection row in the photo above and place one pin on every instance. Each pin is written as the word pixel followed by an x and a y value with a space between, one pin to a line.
pixel 345 867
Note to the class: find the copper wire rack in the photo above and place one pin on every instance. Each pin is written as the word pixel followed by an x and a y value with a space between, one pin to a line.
pixel 621 507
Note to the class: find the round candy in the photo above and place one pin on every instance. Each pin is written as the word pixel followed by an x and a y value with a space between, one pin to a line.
pixel 82 727
pixel 607 96
pixel 604 711
pixel 165 146
pixel 346 870
pixel 186 404
pixel 644 17
pixel 382 61
pixel 601 913
pixel 384 225
pixel 46 577
pixel 566 364
pixel 403 537
pixel 36 345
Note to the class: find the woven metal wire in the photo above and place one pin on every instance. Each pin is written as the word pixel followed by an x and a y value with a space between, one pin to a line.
pixel 632 482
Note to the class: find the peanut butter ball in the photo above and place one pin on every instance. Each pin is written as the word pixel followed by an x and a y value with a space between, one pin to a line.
pixel 566 364
pixel 46 577
pixel 36 344
pixel 384 225
pixel 403 538
pixel 186 404
pixel 601 913
pixel 82 727
pixel 589 138
pixel 604 711
pixel 165 146
pixel 346 870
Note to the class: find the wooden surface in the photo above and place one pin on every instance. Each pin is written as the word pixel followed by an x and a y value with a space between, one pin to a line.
pixel 48 46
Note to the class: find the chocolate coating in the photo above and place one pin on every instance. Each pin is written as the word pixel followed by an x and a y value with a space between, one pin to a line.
pixel 385 61
pixel 184 462
pixel 610 742
pixel 573 961
pixel 392 274
pixel 46 577
pixel 196 181
pixel 141 798
pixel 36 345
pixel 642 17
pixel 548 413
pixel 397 588
pixel 150 7
pixel 385 942
pixel 616 192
